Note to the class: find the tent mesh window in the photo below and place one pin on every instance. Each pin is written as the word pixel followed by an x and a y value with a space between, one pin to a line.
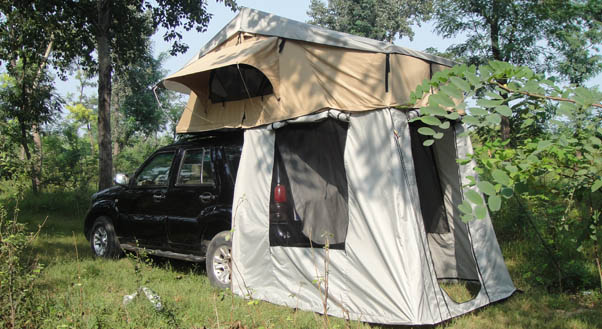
pixel 309 191
pixel 236 82
pixel 429 186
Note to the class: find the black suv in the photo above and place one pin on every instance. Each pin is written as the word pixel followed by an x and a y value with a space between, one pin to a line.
pixel 178 204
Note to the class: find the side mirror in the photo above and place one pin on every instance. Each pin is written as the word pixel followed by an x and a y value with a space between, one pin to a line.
pixel 121 179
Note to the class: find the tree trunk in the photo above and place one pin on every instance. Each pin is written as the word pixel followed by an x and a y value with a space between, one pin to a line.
pixel 91 136
pixel 105 157
pixel 38 164
pixel 34 185
pixel 39 158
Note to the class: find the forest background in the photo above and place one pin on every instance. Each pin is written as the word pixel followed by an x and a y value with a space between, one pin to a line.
pixel 529 82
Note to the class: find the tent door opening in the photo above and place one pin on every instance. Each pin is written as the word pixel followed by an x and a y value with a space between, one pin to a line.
pixel 440 193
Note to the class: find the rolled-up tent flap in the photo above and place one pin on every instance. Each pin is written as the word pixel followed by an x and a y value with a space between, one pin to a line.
pixel 262 55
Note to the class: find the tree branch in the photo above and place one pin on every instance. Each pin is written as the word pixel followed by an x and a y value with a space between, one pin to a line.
pixel 560 99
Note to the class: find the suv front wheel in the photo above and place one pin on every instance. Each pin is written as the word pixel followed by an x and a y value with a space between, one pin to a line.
pixel 219 260
pixel 103 239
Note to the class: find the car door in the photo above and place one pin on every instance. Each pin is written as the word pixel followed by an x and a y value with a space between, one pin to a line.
pixel 142 205
pixel 194 194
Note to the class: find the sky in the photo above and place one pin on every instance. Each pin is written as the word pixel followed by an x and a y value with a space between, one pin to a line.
pixel 294 9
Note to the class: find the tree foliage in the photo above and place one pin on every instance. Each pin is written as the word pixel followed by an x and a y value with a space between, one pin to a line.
pixel 376 19
pixel 562 160
pixel 553 36
pixel 117 30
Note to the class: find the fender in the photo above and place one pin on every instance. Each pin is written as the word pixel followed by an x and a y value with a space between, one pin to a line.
pixel 218 218
pixel 100 208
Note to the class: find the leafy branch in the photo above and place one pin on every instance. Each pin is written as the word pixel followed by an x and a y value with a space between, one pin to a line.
pixel 567 144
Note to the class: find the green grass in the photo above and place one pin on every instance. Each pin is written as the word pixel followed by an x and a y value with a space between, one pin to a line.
pixel 79 291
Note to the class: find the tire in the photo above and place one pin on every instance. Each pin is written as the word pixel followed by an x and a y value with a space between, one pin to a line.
pixel 219 260
pixel 103 240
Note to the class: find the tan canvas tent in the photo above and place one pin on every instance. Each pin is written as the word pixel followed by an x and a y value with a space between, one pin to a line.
pixel 309 69
pixel 328 160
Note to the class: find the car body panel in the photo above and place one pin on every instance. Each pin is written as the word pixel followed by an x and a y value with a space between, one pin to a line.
pixel 174 218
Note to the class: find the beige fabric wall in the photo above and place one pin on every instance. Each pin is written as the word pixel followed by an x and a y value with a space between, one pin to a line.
pixel 307 78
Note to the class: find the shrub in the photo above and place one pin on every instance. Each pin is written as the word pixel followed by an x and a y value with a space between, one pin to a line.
pixel 18 273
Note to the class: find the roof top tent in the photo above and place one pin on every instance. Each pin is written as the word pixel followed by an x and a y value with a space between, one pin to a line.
pixel 330 168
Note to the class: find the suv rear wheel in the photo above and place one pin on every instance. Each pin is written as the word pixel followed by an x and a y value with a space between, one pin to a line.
pixel 103 240
pixel 219 260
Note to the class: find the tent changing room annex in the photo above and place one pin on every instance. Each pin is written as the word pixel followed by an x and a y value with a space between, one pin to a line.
pixel 332 169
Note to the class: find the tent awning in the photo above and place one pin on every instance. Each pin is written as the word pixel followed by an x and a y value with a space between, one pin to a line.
pixel 262 55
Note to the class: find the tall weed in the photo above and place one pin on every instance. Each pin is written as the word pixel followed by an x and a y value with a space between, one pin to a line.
pixel 19 270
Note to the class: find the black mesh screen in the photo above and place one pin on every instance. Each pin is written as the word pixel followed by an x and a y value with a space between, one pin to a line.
pixel 236 82
pixel 309 162
pixel 429 185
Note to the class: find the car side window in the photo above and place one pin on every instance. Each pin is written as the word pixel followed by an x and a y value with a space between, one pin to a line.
pixel 196 168
pixel 156 172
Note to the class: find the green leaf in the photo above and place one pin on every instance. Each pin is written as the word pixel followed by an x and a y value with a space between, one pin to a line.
pixel 542 145
pixel 533 87
pixel 489 102
pixel 472 179
pixel 467 218
pixel 480 211
pixel 474 197
pixel 430 120
pixel 566 108
pixel 469 119
pixel 442 99
pixel 428 142
pixel 485 73
pixel 494 202
pixel 452 91
pixel 460 83
pixel 504 110
pixel 452 115
pixel 595 140
pixel 471 77
pixel 478 111
pixel 501 177
pixel 426 131
pixel 527 123
pixel 465 207
pixel 444 125
pixel 438 136
pixel 493 95
pixel 486 187
pixel 597 185
pixel 494 118
pixel 433 109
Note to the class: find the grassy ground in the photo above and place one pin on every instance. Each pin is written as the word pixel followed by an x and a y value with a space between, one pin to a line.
pixel 78 291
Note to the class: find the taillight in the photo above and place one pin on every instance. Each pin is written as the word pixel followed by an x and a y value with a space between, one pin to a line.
pixel 280 194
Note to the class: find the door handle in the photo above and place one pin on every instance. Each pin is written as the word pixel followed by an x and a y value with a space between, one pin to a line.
pixel 207 197
pixel 158 197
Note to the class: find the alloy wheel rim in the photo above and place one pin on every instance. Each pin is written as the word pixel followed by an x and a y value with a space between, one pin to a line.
pixel 100 241
pixel 221 264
